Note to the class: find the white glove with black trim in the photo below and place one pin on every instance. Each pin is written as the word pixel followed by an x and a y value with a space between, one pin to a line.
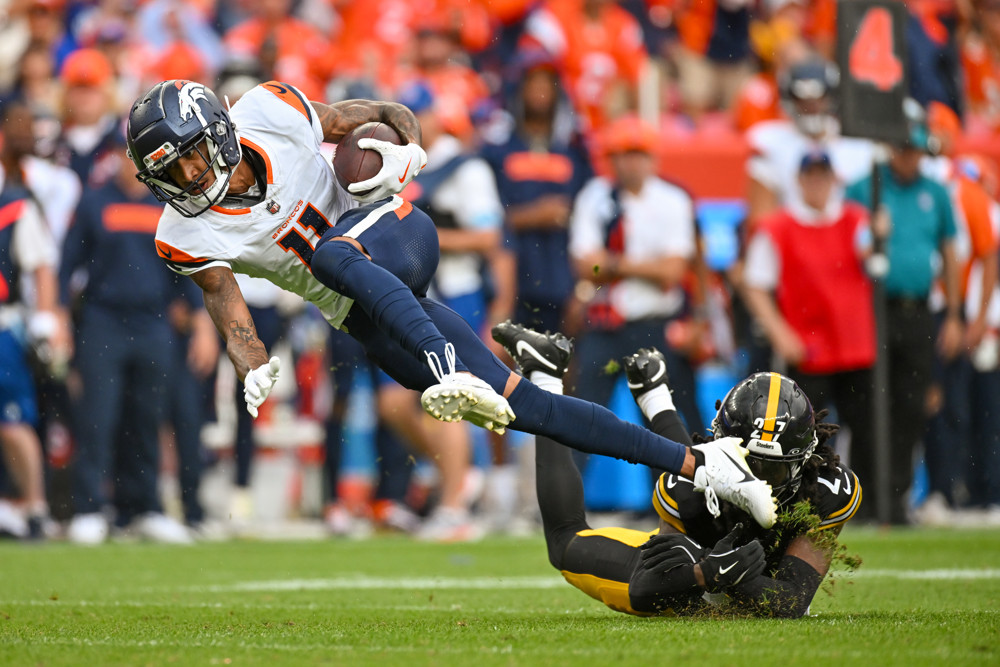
pixel 258 384
pixel 400 164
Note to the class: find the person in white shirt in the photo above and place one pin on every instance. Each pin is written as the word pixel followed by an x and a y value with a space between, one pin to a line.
pixel 632 241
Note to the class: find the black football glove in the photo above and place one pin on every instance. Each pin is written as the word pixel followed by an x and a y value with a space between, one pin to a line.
pixel 660 580
pixel 727 565
pixel 664 552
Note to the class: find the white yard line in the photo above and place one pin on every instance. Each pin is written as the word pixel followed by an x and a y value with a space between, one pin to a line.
pixel 927 575
pixel 360 582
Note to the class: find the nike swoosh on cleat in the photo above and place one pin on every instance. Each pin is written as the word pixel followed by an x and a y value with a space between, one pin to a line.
pixel 405 171
pixel 524 346
pixel 747 477
pixel 723 570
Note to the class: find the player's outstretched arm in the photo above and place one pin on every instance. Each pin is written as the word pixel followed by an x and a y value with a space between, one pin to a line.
pixel 341 117
pixel 224 303
pixel 790 591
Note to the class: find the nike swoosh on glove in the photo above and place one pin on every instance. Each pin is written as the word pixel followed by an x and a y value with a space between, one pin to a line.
pixel 727 565
pixel 669 550
pixel 258 384
pixel 400 164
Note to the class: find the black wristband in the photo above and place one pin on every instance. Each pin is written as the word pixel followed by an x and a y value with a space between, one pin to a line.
pixel 699 457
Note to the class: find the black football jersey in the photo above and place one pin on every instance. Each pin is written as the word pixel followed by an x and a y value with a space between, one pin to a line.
pixel 837 498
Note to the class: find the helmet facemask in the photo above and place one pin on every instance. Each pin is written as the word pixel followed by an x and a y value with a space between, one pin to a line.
pixel 189 200
pixel 782 471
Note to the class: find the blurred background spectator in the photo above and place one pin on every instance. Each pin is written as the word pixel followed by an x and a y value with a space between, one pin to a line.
pixel 123 361
pixel 632 241
pixel 918 223
pixel 30 327
pixel 805 282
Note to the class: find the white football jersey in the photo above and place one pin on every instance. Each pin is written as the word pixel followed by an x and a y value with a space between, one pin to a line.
pixel 777 148
pixel 274 239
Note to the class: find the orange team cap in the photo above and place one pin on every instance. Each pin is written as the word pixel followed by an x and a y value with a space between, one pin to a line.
pixel 943 123
pixel 179 61
pixel 630 133
pixel 86 67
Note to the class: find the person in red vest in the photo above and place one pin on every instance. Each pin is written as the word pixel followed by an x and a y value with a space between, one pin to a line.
pixel 807 286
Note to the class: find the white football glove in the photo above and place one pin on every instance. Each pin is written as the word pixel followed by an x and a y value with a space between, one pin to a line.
pixel 258 384
pixel 399 165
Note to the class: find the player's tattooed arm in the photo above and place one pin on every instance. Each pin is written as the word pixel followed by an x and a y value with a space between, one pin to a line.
pixel 224 302
pixel 341 117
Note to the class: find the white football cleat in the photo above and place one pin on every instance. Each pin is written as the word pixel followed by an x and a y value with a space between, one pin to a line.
pixel 158 527
pixel 89 529
pixel 459 396
pixel 726 475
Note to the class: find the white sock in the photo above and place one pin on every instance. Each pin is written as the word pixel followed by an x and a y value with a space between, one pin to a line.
pixel 550 383
pixel 655 401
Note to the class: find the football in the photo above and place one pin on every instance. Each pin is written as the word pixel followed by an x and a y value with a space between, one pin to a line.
pixel 352 164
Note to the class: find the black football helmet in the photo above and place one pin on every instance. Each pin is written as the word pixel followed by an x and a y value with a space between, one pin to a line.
pixel 808 91
pixel 776 421
pixel 172 120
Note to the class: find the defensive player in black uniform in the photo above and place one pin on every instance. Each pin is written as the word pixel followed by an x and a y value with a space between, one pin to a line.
pixel 773 572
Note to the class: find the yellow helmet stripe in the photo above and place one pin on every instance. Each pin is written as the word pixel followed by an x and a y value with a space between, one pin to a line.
pixel 772 407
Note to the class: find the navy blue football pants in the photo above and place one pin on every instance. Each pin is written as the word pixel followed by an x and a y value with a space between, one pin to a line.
pixel 124 365
pixel 387 320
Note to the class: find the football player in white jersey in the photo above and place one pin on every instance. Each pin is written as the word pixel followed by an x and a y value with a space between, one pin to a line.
pixel 250 192
pixel 808 91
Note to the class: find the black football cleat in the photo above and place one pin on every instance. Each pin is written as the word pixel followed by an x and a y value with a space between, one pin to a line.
pixel 645 370
pixel 546 352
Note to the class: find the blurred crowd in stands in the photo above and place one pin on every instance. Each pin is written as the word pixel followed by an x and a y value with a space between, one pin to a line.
pixel 633 173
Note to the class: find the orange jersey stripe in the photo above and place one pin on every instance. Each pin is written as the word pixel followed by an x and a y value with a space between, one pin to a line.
pixel 289 97
pixel 230 211
pixel 267 160
pixel 403 210
pixel 11 213
pixel 168 252
pixel 141 218
pixel 538 167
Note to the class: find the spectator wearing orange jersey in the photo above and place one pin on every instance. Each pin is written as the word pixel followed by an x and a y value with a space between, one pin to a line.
pixel 713 55
pixel 981 63
pixel 456 87
pixel 950 429
pixel 376 37
pixel 287 48
pixel 188 42
pixel 983 469
pixel 599 49
pixel 778 45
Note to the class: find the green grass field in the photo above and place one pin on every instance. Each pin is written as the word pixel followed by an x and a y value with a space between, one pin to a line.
pixel 921 597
